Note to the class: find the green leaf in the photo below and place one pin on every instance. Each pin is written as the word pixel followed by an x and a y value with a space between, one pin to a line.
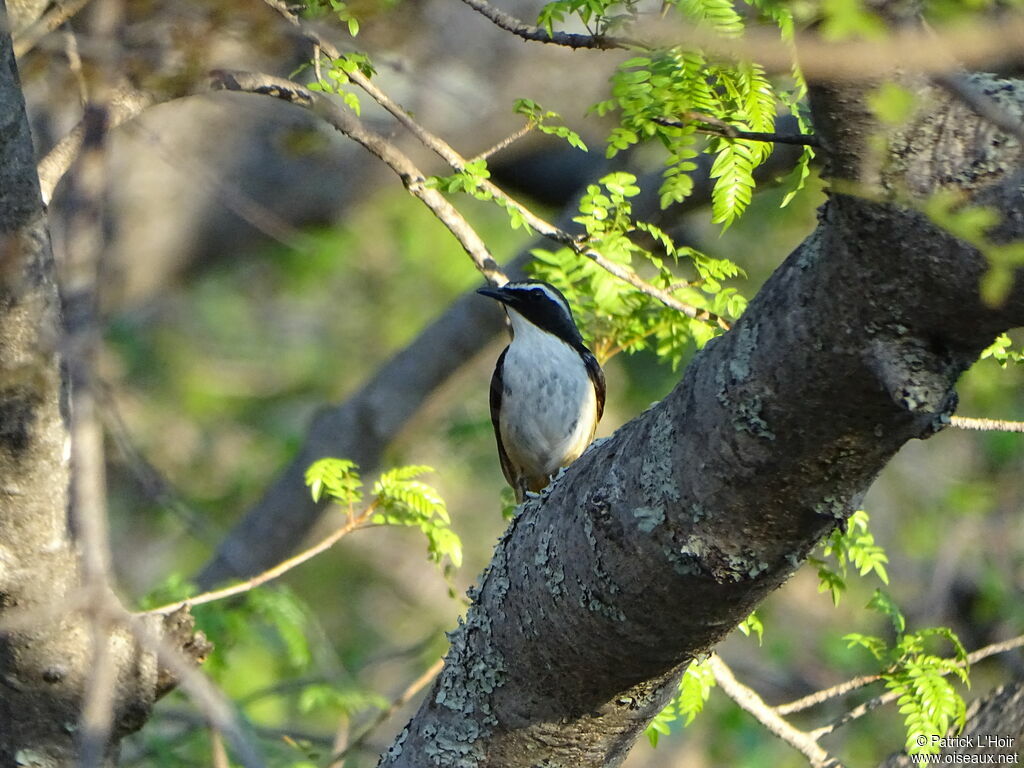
pixel 752 625
pixel 403 500
pixel 882 603
pixel 694 691
pixel 337 478
pixel 339 702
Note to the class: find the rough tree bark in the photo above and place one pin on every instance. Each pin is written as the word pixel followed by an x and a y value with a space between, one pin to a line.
pixel 46 653
pixel 660 539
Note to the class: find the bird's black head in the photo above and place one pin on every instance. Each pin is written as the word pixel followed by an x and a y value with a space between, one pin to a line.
pixel 540 303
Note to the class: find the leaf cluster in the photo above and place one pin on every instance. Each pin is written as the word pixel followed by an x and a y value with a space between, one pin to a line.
pixel 543 120
pixel 338 75
pixel 401 499
pixel 842 548
pixel 616 315
pixel 1001 350
pixel 694 690
pixel 926 698
pixel 600 17
pixel 398 498
pixel 673 95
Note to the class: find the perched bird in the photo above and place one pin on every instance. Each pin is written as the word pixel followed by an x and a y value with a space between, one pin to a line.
pixel 547 392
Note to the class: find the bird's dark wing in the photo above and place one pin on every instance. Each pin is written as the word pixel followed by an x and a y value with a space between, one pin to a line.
pixel 496 392
pixel 596 377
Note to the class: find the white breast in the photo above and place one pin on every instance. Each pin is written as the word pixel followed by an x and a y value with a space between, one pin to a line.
pixel 548 406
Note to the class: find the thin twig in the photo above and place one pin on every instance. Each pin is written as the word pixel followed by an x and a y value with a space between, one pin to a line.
pixel 827 694
pixel 750 702
pixel 872 704
pixel 351 524
pixel 399 162
pixel 505 143
pixel 986 425
pixel 80 282
pixel 26 40
pixel 403 698
pixel 75 62
pixel 725 130
pixel 218 754
pixel 579 245
pixel 153 483
pixel 540 35
pixel 231 196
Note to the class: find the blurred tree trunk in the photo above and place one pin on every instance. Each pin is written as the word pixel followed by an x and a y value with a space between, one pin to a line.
pixel 47 654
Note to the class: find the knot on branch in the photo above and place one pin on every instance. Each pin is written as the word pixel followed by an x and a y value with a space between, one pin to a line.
pixel 918 379
pixel 179 629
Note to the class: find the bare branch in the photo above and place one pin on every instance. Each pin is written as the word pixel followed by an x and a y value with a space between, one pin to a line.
pixel 26 40
pixel 504 143
pixel 986 425
pixel 351 524
pixel 820 697
pixel 750 702
pixel 540 35
pixel 122 105
pixel 400 163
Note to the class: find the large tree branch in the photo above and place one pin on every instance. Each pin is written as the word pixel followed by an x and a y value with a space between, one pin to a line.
pixel 660 539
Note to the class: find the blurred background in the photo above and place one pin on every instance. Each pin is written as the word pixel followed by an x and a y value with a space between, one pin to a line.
pixel 261 267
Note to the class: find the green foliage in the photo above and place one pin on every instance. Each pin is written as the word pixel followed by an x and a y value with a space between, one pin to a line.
pixel 615 315
pixel 339 702
pixel 856 545
pixel 401 499
pixel 339 73
pixel 927 699
pixel 507 498
pixel 280 609
pixel 694 690
pixel 338 8
pixel 337 478
pixel 719 15
pixel 949 12
pixel 752 625
pixel 601 17
pixel 398 499
pixel 972 224
pixel 541 118
pixel 1002 352
pixel 846 19
pixel 665 95
pixel 653 93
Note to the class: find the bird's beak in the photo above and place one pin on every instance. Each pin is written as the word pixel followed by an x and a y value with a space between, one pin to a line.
pixel 493 292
